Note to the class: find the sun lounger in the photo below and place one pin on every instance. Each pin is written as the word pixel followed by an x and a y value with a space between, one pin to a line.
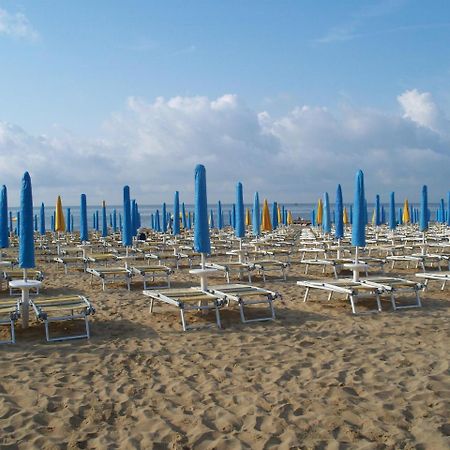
pixel 57 309
pixel 269 265
pixel 245 295
pixel 232 266
pixel 108 273
pixel 67 261
pixel 394 286
pixel 443 277
pixel 17 274
pixel 9 314
pixel 150 273
pixel 99 258
pixel 189 299
pixel 353 290
pixel 418 260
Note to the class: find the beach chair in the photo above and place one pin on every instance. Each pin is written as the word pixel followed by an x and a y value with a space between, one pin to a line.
pixel 232 266
pixel 189 299
pixel 353 291
pixel 268 266
pixel 150 273
pixel 99 258
pixel 9 314
pixel 17 274
pixel 57 309
pixel 394 286
pixel 408 259
pixel 245 295
pixel 443 277
pixel 67 261
pixel 110 273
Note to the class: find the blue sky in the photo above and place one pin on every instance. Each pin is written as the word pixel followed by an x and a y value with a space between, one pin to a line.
pixel 71 67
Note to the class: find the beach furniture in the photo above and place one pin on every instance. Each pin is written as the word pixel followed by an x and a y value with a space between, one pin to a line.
pixel 396 286
pixel 57 309
pixel 9 314
pixel 352 290
pixel 17 274
pixel 151 273
pixel 269 266
pixel 230 267
pixel 106 274
pixel 186 300
pixel 67 261
pixel 99 258
pixel 245 295
pixel 442 277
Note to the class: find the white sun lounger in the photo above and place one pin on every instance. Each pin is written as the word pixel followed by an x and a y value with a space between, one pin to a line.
pixel 394 286
pixel 150 273
pixel 232 266
pixel 189 299
pixel 105 273
pixel 17 274
pixel 67 261
pixel 418 260
pixel 9 314
pixel 443 277
pixel 57 309
pixel 245 295
pixel 270 265
pixel 353 290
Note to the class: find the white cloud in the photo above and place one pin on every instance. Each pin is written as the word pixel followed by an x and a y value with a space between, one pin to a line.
pixel 155 146
pixel 17 25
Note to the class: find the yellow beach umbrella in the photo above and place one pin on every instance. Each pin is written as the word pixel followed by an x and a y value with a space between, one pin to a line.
pixel 60 224
pixel 280 219
pixel 373 218
pixel 248 220
pixel 345 216
pixel 266 224
pixel 289 218
pixel 406 217
pixel 319 217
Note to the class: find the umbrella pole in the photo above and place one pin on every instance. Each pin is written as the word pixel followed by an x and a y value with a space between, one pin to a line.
pixel 355 270
pixel 25 301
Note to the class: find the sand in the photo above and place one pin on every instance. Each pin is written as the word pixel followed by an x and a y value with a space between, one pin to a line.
pixel 316 378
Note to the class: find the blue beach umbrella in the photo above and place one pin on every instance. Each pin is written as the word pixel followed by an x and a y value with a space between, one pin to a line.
pixel 189 220
pixel 97 221
pixel 84 233
pixel 152 221
pixel 18 221
pixel 114 220
pixel 69 224
pixel 448 209
pixel 133 218
pixel 392 219
pixel 164 217
pixel 120 222
pixel 339 219
pixel 35 227
pixel 377 211
pixel 201 231
pixel 4 234
pixel 127 238
pixel 157 221
pixel 359 216
pixel 274 215
pixel 104 222
pixel 110 220
pixel 313 218
pixel 219 215
pixel 442 212
pixel 423 220
pixel 176 214
pixel 11 229
pixel 239 230
pixel 256 220
pixel 211 219
pixel 233 216
pixel 52 222
pixel 26 235
pixel 183 213
pixel 326 214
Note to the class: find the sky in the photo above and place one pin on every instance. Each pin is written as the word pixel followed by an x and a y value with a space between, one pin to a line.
pixel 289 97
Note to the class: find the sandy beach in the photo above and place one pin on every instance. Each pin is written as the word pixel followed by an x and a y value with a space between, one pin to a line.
pixel 316 378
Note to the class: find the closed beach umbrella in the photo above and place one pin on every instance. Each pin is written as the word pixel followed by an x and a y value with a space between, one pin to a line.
pixel 183 209
pixel 219 215
pixel 211 219
pixel 60 224
pixel 69 229
pixel 377 211
pixel 189 220
pixel 35 222
pixel 26 235
pixel 423 219
pixel 448 209
pixel 11 229
pixel 274 215
pixel 157 221
pixel 127 238
pixel 133 218
pixel 248 219
pixel 4 232
pixel 164 218
pixel 359 224
pixel 201 231
pixel 266 225
pixel 326 214
pixel 313 218
pixel 114 220
pixel 104 220
pixel 256 228
pixel 406 216
pixel 42 220
pixel 233 216
pixel 339 227
pixel 176 214
pixel 239 229
pixel 84 234
pixel 392 219
pixel 345 216
pixel 319 215
pixel 289 218
pixel 97 221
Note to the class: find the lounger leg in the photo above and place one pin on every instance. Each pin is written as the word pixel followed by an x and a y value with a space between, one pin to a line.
pixel 352 303
pixel 151 305
pixel 219 325
pixel 13 332
pixel 330 295
pixel 443 285
pixel 394 306
pixel 88 334
pixel 379 303
pixel 228 277
pixel 419 303
pixel 183 321
pixel 305 298
pixel 47 334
